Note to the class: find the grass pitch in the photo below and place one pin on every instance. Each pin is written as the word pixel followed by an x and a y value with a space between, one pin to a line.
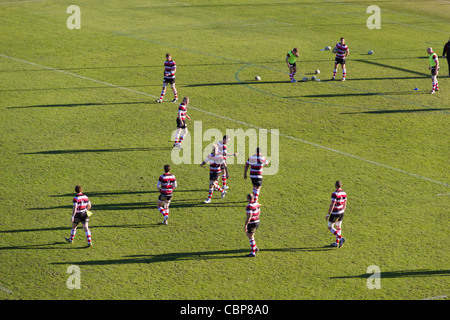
pixel 77 107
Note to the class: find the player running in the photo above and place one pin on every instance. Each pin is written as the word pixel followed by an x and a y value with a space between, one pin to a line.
pixel 181 123
pixel 222 149
pixel 81 205
pixel 215 161
pixel 335 213
pixel 342 51
pixel 256 163
pixel 252 223
pixel 170 68
pixel 166 184
pixel 291 61
pixel 434 67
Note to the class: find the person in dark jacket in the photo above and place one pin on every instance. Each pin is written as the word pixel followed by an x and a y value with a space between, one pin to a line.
pixel 446 53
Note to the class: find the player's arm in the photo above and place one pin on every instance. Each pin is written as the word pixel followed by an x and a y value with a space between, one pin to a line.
pixel 174 184
pixel 249 215
pixel 287 59
pixel 330 209
pixel 245 170
pixel 347 52
pixel 158 185
pixel 74 211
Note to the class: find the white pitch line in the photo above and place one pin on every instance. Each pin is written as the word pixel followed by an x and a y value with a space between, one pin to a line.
pixel 10 2
pixel 435 298
pixel 6 290
pixel 443 194
pixel 233 120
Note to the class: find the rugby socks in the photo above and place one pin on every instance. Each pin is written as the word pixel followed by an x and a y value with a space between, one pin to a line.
pixel 291 76
pixel 88 236
pixel 211 190
pixel 337 234
pixel 344 73
pixel 256 194
pixel 224 180
pixel 162 210
pixel 181 139
pixel 334 72
pixel 166 214
pixel 175 93
pixel 72 234
pixel 218 188
pixel 253 246
pixel 163 92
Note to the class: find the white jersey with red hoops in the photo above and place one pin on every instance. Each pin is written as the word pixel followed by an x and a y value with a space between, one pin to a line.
pixel 253 209
pixel 341 50
pixel 222 149
pixel 256 163
pixel 81 202
pixel 166 183
pixel 215 162
pixel 182 111
pixel 339 197
pixel 169 69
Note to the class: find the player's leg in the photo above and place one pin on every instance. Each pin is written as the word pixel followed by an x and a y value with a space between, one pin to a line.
pixel 175 93
pixel 256 190
pixel 433 83
pixel 87 232
pixel 166 211
pixel 344 71
pixel 331 225
pixel 335 70
pixel 253 248
pixel 177 135
pixel 163 92
pixel 224 177
pixel 161 208
pixel 73 231
pixel 183 134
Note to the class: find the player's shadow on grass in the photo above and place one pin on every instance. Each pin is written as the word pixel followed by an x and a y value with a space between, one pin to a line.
pixel 76 151
pixel 187 256
pixel 399 111
pixel 401 274
pixel 235 83
pixel 71 105
pixel 122 192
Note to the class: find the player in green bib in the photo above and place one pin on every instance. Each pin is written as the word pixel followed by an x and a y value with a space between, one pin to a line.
pixel 291 61
pixel 434 67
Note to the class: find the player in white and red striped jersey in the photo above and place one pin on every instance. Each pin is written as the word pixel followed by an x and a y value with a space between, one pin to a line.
pixel 335 213
pixel 215 161
pixel 81 205
pixel 252 223
pixel 222 149
pixel 256 163
pixel 181 123
pixel 342 51
pixel 166 184
pixel 170 68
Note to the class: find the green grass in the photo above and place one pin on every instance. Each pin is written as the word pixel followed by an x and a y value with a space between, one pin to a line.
pixel 77 107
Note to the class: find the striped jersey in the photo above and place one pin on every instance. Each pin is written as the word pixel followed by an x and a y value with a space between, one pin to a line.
pixel 215 162
pixel 169 69
pixel 166 183
pixel 182 111
pixel 256 163
pixel 222 149
pixel 341 50
pixel 339 197
pixel 81 202
pixel 253 209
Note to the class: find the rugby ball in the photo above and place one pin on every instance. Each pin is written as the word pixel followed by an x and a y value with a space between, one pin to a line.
pixel 335 50
pixel 327 48
pixel 313 78
pixel 305 79
pixel 370 52
pixel 257 78
pixel 317 71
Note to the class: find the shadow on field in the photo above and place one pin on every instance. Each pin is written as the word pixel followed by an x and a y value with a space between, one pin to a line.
pixel 150 205
pixel 180 256
pixel 71 105
pixel 120 192
pixel 401 274
pixel 391 67
pixel 75 151
pixel 398 111
pixel 236 83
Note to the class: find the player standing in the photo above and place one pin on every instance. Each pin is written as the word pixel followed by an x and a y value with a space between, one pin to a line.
pixel 342 51
pixel 335 213
pixel 81 204
pixel 256 163
pixel 181 122
pixel 215 162
pixel 222 149
pixel 291 61
pixel 434 67
pixel 446 53
pixel 170 68
pixel 252 223
pixel 166 184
